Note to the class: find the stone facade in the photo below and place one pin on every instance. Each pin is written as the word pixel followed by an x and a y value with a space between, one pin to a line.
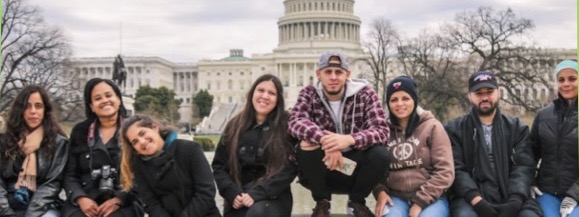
pixel 306 30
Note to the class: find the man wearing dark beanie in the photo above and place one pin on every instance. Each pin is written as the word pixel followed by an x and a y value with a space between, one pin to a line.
pixel 493 159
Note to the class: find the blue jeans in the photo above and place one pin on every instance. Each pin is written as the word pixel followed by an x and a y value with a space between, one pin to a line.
pixel 461 208
pixel 51 213
pixel 551 206
pixel 438 208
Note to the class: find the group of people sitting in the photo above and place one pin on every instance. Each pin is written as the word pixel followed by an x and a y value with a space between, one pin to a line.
pixel 337 139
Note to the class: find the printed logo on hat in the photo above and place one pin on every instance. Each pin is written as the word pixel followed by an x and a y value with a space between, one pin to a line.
pixel 397 85
pixel 483 78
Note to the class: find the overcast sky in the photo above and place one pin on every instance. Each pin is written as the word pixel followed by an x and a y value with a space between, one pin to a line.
pixel 189 30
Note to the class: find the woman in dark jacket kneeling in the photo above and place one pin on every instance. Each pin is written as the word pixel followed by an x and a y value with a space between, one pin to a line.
pixel 172 176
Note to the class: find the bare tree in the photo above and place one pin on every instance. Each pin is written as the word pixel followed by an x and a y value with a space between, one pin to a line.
pixel 381 45
pixel 495 40
pixel 435 64
pixel 33 52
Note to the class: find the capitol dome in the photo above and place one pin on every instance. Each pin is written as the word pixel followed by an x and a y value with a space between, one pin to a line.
pixel 319 24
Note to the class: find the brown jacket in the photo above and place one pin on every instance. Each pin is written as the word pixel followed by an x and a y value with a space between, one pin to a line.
pixel 422 166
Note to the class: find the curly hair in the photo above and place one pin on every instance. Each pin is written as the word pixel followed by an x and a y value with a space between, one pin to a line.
pixel 16 127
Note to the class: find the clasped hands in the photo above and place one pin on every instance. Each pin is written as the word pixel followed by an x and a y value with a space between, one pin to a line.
pixel 331 144
pixel 90 208
pixel 242 200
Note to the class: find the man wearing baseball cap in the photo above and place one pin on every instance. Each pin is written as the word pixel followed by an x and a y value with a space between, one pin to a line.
pixel 493 159
pixel 339 118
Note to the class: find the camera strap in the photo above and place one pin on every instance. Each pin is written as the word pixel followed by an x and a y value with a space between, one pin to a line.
pixel 92 143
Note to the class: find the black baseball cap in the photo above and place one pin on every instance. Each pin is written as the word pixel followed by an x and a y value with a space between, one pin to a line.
pixel 482 79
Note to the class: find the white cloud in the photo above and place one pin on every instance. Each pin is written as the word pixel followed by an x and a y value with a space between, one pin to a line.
pixel 186 31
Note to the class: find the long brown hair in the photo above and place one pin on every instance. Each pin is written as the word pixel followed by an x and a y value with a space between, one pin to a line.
pixel 16 126
pixel 128 153
pixel 276 143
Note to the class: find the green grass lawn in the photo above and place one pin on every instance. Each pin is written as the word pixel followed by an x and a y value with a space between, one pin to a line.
pixel 213 137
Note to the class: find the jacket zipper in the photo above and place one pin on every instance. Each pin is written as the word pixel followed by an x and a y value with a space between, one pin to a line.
pixel 561 123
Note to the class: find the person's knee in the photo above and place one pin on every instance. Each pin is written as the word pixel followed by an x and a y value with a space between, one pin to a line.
pixel 437 209
pixel 528 213
pixel 308 146
pixel 459 207
pixel 378 155
pixel 51 213
pixel 394 211
pixel 265 208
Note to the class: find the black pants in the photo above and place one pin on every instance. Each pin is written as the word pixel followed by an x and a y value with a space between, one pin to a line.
pixel 70 210
pixel 314 175
pixel 281 207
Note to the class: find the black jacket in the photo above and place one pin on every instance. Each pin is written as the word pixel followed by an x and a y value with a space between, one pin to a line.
pixel 77 177
pixel 177 183
pixel 49 182
pixel 514 163
pixel 554 140
pixel 252 168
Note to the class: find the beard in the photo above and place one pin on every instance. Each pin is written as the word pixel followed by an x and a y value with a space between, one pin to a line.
pixel 333 93
pixel 485 112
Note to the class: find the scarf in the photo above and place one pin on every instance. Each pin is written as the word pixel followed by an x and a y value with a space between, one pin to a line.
pixel 27 175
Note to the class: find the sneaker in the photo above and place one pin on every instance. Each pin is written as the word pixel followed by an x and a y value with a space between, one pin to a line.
pixel 358 210
pixel 322 209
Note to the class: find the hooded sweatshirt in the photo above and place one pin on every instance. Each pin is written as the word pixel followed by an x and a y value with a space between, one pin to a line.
pixel 361 115
pixel 422 166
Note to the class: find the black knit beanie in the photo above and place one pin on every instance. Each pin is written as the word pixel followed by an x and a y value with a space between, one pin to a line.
pixel 406 84
pixel 403 83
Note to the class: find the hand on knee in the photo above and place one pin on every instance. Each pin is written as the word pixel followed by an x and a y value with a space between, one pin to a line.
pixel 308 146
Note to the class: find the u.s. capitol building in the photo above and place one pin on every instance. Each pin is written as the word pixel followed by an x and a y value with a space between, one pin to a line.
pixel 306 30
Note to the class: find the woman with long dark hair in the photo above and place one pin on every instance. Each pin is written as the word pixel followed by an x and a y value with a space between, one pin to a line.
pixel 91 176
pixel 251 164
pixel 172 176
pixel 33 154
pixel 421 168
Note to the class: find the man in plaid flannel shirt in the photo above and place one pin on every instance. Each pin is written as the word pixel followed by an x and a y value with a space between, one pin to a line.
pixel 339 118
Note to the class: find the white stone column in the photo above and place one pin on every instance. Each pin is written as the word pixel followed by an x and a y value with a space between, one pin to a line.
pixel 342 31
pixel 349 32
pixel 285 33
pixel 295 31
pixel 291 76
pixel 282 33
pixel 326 30
pixel 335 30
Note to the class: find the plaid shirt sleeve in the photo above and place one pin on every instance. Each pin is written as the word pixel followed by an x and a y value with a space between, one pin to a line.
pixel 300 123
pixel 375 129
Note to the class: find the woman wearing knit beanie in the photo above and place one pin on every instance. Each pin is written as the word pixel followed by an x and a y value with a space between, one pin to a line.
pixel 421 167
pixel 554 141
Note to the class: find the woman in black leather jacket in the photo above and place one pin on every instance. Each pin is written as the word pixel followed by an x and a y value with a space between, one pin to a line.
pixel 554 141
pixel 32 157
pixel 91 177
pixel 251 164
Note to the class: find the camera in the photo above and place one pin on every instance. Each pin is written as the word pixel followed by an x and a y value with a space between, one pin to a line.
pixel 106 176
pixel 22 195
